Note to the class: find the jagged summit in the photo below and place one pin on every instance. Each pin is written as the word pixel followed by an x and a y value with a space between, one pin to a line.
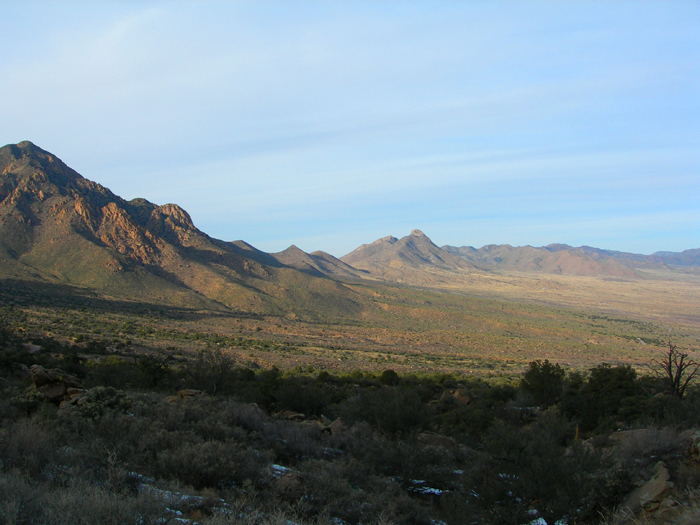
pixel 390 239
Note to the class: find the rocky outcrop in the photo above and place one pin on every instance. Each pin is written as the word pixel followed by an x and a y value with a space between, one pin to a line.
pixel 652 496
pixel 54 383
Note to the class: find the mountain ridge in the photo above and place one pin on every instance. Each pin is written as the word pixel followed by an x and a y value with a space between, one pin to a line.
pixel 59 226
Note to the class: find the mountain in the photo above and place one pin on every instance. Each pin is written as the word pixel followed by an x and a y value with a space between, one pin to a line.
pixel 415 259
pixel 565 259
pixel 410 259
pixel 60 227
pixel 557 259
pixel 684 258
pixel 413 251
pixel 317 263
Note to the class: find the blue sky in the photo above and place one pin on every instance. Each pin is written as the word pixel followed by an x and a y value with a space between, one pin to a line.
pixel 331 124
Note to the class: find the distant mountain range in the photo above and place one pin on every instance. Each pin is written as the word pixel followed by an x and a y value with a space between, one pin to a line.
pixel 59 227
pixel 388 257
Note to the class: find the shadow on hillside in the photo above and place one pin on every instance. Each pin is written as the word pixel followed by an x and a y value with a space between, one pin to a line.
pixel 20 293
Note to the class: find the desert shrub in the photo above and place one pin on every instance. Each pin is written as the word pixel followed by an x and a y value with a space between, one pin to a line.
pixel 27 401
pixel 24 501
pixel 213 371
pixel 642 448
pixel 302 394
pixel 530 469
pixel 392 410
pixel 155 369
pixel 335 489
pixel 389 378
pixel 100 400
pixel 609 395
pixel 9 411
pixel 114 372
pixel 26 446
pixel 543 381
pixel 213 464
pixel 468 422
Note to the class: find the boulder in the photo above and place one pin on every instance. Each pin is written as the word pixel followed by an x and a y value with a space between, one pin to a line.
pixel 337 427
pixel 693 440
pixel 290 415
pixel 434 439
pixel 189 393
pixel 54 383
pixel 650 496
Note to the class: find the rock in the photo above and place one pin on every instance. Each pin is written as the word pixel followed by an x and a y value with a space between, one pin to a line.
pixel 54 383
pixel 31 348
pixel 189 393
pixel 55 392
pixel 649 496
pixel 337 427
pixel 290 415
pixel 40 376
pixel 693 440
pixel 640 434
pixel 434 439
pixel 462 397
pixel 74 392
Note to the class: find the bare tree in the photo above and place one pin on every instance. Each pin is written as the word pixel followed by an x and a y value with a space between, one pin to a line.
pixel 676 370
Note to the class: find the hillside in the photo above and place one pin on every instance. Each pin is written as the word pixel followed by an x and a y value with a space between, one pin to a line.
pixel 316 263
pixel 58 226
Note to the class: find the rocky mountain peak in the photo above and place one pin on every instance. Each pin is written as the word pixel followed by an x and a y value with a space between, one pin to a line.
pixel 388 239
pixel 417 233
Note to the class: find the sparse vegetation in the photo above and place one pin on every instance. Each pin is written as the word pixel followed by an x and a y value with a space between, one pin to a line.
pixel 241 445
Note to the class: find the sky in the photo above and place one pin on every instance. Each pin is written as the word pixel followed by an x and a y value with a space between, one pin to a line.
pixel 328 125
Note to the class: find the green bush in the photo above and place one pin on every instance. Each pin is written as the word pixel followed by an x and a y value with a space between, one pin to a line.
pixel 389 409
pixel 544 382
pixel 100 400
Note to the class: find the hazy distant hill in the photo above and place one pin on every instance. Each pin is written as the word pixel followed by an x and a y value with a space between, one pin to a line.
pixel 416 257
pixel 529 259
pixel 57 226
pixel 562 258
